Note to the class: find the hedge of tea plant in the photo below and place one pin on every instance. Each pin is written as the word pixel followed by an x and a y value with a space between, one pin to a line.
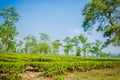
pixel 8 57
pixel 13 70
pixel 13 65
pixel 57 68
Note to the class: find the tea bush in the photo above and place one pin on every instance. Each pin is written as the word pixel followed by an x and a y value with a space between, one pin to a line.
pixel 10 57
pixel 12 71
pixel 12 65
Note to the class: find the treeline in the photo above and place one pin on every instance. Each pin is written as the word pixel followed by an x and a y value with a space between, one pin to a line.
pixel 77 45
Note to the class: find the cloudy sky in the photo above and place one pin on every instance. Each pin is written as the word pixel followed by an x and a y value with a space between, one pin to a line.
pixel 57 18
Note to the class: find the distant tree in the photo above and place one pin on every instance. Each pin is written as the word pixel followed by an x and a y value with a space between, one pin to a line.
pixel 87 48
pixel 83 41
pixel 44 38
pixel 103 54
pixel 75 42
pixel 106 14
pixel 30 43
pixel 114 55
pixel 97 48
pixel 68 47
pixel 78 51
pixel 8 31
pixel 56 45
pixel 19 47
pixel 42 48
pixel 11 46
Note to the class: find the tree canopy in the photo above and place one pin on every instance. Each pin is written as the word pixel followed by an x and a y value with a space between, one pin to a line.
pixel 8 31
pixel 106 15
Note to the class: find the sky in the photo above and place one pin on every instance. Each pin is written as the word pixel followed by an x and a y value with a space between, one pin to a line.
pixel 57 18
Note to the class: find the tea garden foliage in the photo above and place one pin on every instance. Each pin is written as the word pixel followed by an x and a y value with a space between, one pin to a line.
pixel 13 65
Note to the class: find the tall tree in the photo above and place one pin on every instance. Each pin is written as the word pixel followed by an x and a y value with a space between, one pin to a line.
pixel 44 38
pixel 87 48
pixel 68 47
pixel 75 41
pixel 84 44
pixel 56 45
pixel 30 43
pixel 97 48
pixel 19 47
pixel 106 14
pixel 78 51
pixel 44 43
pixel 8 30
pixel 42 48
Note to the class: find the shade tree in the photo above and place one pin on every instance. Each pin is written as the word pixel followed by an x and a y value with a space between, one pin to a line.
pixel 31 42
pixel 105 15
pixel 76 43
pixel 56 45
pixel 8 32
pixel 68 47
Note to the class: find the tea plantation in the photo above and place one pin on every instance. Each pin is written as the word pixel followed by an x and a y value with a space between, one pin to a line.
pixel 13 65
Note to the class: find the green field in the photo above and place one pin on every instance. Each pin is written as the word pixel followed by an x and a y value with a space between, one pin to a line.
pixel 12 66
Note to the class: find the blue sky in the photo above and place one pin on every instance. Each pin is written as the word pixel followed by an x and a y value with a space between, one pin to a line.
pixel 57 18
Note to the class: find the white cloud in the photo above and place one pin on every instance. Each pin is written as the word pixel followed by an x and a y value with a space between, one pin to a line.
pixel 76 31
